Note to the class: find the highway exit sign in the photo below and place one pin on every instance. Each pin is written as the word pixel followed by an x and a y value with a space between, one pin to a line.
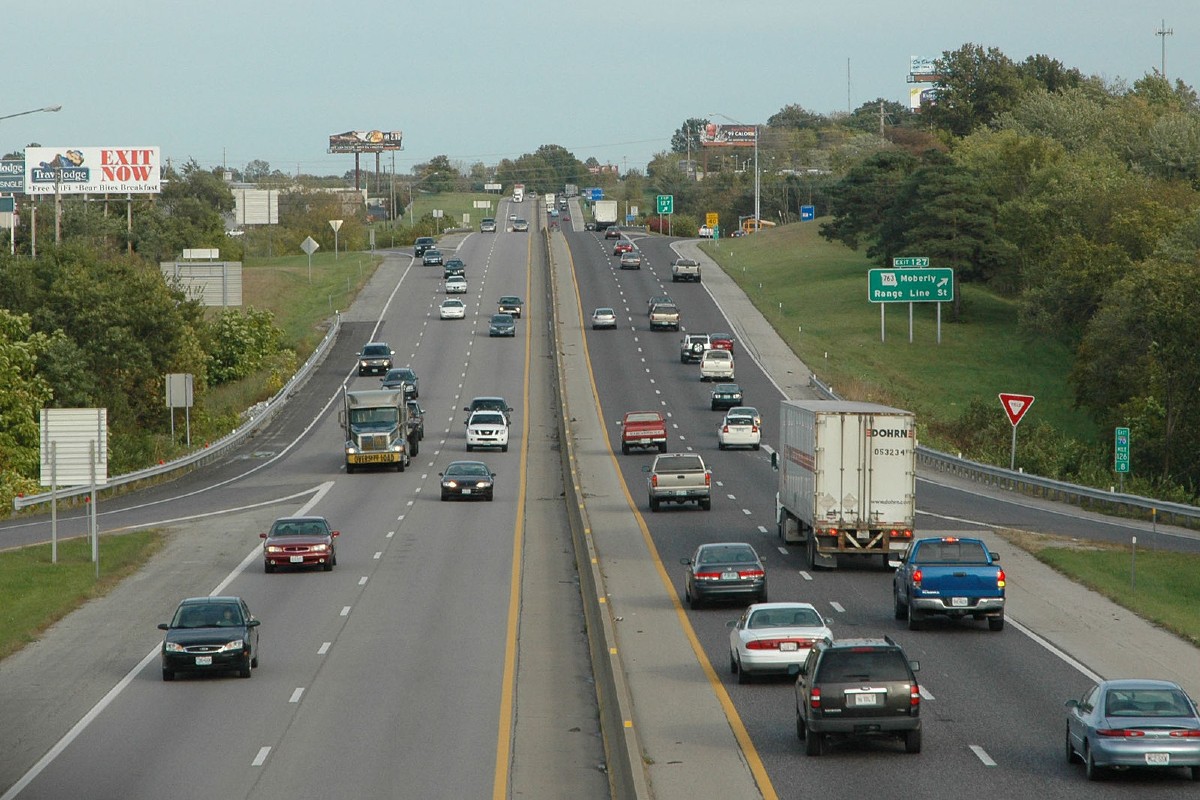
pixel 934 285
pixel 911 261
pixel 1121 450
pixel 666 204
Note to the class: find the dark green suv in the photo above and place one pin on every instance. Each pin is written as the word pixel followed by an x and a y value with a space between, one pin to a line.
pixel 857 688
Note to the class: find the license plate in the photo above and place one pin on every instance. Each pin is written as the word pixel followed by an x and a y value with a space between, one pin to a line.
pixel 958 602
pixel 866 699
pixel 862 536
pixel 297 559
pixel 681 493
pixel 203 661
pixel 466 491
pixel 729 576
pixel 373 458
pixel 1158 759
pixel 788 646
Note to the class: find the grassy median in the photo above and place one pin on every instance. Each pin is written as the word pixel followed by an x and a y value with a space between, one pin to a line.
pixel 35 593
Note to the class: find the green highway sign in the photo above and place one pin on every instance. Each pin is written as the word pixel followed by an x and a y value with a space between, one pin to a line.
pixel 934 285
pixel 666 204
pixel 1121 450
pixel 911 261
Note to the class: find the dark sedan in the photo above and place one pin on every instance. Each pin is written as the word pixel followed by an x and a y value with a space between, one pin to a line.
pixel 468 480
pixel 726 395
pixel 724 571
pixel 210 634
pixel 299 542
pixel 502 325
pixel 402 376
pixel 432 258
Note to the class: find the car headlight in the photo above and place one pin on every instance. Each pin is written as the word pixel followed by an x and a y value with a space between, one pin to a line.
pixel 396 448
pixel 320 548
pixel 174 647
pixel 363 364
pixel 274 548
pixel 482 485
pixel 350 451
pixel 231 646
pixel 451 484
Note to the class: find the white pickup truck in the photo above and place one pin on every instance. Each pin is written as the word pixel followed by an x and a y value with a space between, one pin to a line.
pixel 685 269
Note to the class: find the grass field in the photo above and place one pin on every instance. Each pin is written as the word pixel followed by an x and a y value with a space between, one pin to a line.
pixel 815 294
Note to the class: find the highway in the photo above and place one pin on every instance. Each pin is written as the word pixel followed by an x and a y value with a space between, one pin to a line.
pixel 992 701
pixel 445 656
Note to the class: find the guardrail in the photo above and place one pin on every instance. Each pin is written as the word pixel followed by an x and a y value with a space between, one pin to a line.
pixel 1117 503
pixel 259 416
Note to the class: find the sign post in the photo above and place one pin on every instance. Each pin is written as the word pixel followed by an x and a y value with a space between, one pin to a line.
pixel 309 245
pixel 666 205
pixel 1121 454
pixel 1015 406
pixel 336 224
pixel 910 281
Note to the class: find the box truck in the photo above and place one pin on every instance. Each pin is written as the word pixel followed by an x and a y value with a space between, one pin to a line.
pixel 847 480
pixel 605 213
pixel 518 193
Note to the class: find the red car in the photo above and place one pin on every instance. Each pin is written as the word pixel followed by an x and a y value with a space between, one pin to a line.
pixel 721 341
pixel 612 233
pixel 299 542
pixel 623 246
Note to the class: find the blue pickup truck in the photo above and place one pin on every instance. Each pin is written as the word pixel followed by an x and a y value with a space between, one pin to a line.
pixel 949 576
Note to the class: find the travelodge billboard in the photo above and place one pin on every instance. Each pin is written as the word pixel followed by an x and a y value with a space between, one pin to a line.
pixel 92 170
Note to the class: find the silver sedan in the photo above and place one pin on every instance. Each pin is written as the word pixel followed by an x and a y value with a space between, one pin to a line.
pixel 1133 723
pixel 604 318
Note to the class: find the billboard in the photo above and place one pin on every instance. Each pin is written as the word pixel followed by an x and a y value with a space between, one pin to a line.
pixel 12 176
pixel 715 135
pixel 92 170
pixel 365 141
pixel 919 65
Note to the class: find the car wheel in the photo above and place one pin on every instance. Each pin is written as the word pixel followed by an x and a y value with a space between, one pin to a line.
pixel 912 741
pixel 624 449
pixel 254 662
pixel 328 565
pixel 810 552
pixel 694 603
pixel 662 448
pixel 899 609
pixel 333 560
pixel 720 445
pixel 654 504
pixel 445 496
pixel 491 496
pixel 268 567
pixel 503 448
pixel 801 731
pixel 349 469
pixel 995 623
pixel 914 618
pixel 1196 773
pixel 714 407
pixel 1068 750
pixel 416 448
pixel 1090 768
pixel 683 359
pixel 470 448
pixel 706 504
pixel 733 664
pixel 756 447
pixel 762 597
pixel 400 465
pixel 743 676
pixel 244 672
pixel 814 744
pixel 168 675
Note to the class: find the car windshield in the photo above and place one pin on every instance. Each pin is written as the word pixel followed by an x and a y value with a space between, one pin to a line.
pixel 717 355
pixel 739 421
pixel 850 666
pixel 502 319
pixel 947 552
pixel 376 350
pixel 786 618
pixel 643 416
pixel 604 312
pixel 299 527
pixel 480 470
pixel 1146 703
pixel 487 418
pixel 508 301
pixel 400 375
pixel 728 554
pixel 452 304
pixel 207 615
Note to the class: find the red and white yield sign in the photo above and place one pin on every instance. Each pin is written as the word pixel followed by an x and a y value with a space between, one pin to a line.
pixel 1015 405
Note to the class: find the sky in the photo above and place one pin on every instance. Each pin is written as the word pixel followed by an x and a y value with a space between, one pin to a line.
pixel 222 82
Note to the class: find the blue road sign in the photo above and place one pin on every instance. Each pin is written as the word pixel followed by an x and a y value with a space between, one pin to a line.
pixel 596 194
pixel 808 213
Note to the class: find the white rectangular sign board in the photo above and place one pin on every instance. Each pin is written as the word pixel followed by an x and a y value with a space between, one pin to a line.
pixel 78 435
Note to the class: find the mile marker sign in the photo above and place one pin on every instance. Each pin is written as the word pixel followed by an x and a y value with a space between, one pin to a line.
pixel 1015 405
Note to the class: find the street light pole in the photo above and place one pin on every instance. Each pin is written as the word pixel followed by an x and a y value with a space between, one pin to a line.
pixel 757 184
pixel 32 111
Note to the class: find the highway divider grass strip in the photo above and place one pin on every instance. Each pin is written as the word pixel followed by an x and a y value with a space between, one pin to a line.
pixel 1157 585
pixel 35 593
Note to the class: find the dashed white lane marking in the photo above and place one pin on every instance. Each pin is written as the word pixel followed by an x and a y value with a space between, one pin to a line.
pixel 762 529
pixel 324 648
pixel 390 534
pixel 297 693
pixel 924 693
pixel 378 555
pixel 261 758
pixel 345 611
pixel 362 581
pixel 747 511
pixel 837 606
pixel 982 755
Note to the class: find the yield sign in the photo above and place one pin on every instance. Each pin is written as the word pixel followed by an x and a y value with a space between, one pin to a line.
pixel 1015 405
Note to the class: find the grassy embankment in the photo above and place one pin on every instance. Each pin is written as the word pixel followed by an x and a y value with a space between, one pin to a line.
pixel 814 293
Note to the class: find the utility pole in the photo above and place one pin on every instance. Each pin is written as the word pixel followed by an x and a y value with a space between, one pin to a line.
pixel 1163 32
pixel 880 119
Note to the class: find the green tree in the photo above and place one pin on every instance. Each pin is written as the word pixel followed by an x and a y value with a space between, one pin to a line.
pixel 23 393
pixel 686 137
pixel 861 201
pixel 975 86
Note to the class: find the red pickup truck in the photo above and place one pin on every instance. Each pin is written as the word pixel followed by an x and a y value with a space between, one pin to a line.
pixel 643 429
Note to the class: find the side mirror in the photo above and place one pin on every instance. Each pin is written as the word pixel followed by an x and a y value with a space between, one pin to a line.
pixel 995 558
pixel 915 665
pixel 795 670
pixel 685 561
pixel 254 623
pixel 262 536
pixel 162 626
pixel 645 467
pixel 336 533
pixel 1070 705
pixel 731 624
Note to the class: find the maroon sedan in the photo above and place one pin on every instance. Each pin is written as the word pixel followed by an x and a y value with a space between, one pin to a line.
pixel 299 542
pixel 623 246
pixel 721 341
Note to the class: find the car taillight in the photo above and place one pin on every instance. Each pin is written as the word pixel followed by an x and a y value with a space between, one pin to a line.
pixel 707 478
pixel 774 644
pixel 708 576
pixel 1000 579
pixel 724 429
pixel 814 697
pixel 1186 734
pixel 654 480
pixel 900 534
pixel 916 578
pixel 750 573
pixel 1119 733
pixel 914 696
pixel 754 429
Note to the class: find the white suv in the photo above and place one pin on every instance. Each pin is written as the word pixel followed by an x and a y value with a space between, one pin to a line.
pixel 487 429
pixel 716 365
